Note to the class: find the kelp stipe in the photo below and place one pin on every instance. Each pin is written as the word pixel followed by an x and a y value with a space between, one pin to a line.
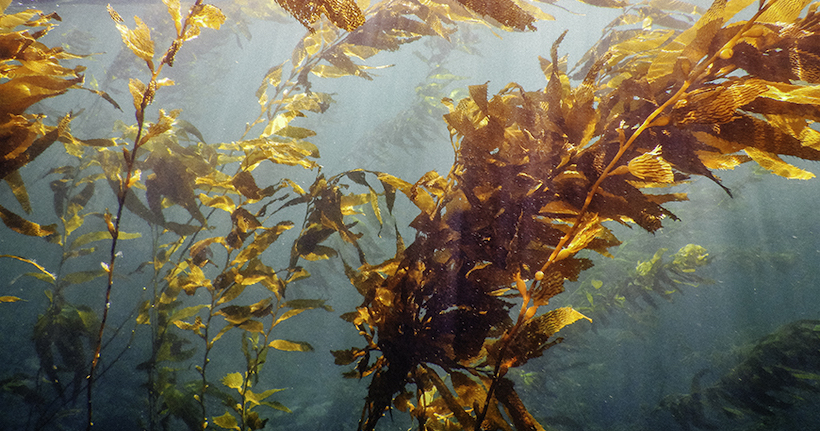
pixel 139 41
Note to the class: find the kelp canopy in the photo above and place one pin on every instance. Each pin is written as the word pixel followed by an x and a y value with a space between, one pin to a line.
pixel 536 175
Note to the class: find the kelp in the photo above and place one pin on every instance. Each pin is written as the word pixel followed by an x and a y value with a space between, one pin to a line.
pixel 602 294
pixel 536 176
pixel 772 378
pixel 31 71
pixel 538 172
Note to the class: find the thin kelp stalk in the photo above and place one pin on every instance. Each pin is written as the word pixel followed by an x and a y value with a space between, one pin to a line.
pixel 527 312
pixel 139 41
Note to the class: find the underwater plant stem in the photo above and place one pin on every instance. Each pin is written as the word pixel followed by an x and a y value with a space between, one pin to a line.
pixel 425 372
pixel 124 186
pixel 114 229
pixel 205 360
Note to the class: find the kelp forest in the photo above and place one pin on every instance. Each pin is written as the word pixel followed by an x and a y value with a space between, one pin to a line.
pixel 175 254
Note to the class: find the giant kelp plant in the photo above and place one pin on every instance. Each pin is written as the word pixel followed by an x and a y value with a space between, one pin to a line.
pixel 445 318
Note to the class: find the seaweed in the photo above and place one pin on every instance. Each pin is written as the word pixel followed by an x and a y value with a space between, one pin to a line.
pixel 774 376
pixel 537 175
pixel 601 294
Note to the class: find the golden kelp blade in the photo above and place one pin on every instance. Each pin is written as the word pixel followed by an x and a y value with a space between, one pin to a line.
pixel 18 188
pixel 23 226
pixel 532 339
pixel 138 40
pixel 206 15
pixel 20 93
pixel 9 299
pixel 49 275
pixel 776 165
pixel 651 166
pixel 506 12
pixel 291 346
pixel 23 137
pixel 344 14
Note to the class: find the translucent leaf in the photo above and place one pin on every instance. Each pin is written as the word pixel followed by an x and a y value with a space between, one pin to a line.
pixel 100 236
pixel 261 242
pixel 295 132
pixel 532 339
pixel 192 281
pixel 18 188
pixel 235 314
pixel 192 32
pixel 776 165
pixel 252 326
pixel 274 75
pixel 207 15
pixel 345 357
pixel 80 200
pixel 163 124
pixel 590 228
pixel 9 299
pixel 792 93
pixel 276 405
pixel 48 278
pixel 783 11
pixel 143 315
pixel 137 90
pixel 651 166
pixel 233 380
pixel 23 226
pixel 231 293
pixel 186 312
pixel 505 12
pixel 298 274
pixel 693 43
pixel 173 10
pixel 287 315
pixel 330 71
pixel 244 183
pixel 227 421
pixel 223 202
pixel 138 40
pixel 257 399
pixel 278 123
pixel 345 14
pixel 307 304
pixel 319 252
pixel 82 276
pixel 313 43
pixel 291 346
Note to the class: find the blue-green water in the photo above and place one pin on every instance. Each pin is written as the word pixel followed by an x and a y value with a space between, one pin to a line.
pixel 612 374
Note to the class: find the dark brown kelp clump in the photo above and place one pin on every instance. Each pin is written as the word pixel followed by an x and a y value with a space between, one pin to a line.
pixel 536 174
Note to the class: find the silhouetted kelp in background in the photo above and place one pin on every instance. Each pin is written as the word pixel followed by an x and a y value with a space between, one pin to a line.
pixel 536 175
pixel 771 379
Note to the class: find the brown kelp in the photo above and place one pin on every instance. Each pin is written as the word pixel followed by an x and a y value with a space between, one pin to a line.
pixel 447 316
pixel 772 378
pixel 536 174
